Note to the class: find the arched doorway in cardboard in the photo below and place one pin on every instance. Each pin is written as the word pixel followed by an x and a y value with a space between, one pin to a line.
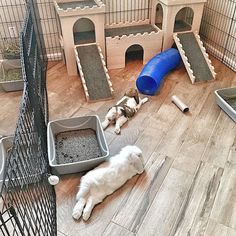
pixel 134 53
pixel 184 20
pixel 159 16
pixel 84 31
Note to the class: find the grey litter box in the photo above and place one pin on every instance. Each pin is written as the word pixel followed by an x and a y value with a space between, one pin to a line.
pixel 6 144
pixel 10 86
pixel 11 75
pixel 5 147
pixel 226 99
pixel 76 144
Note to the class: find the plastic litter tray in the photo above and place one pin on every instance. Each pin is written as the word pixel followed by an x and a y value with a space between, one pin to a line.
pixel 11 75
pixel 6 144
pixel 226 99
pixel 5 147
pixel 76 144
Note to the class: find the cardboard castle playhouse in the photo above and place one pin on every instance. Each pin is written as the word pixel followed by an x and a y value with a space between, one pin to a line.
pixel 113 28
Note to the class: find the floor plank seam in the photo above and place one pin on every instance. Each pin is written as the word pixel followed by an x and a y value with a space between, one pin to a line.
pixel 155 195
pixel 73 113
pixel 121 226
pixel 208 141
pixel 214 197
pixel 62 233
pixel 185 202
pixel 214 202
pixel 124 200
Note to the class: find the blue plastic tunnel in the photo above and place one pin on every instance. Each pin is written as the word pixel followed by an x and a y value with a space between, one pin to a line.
pixel 155 70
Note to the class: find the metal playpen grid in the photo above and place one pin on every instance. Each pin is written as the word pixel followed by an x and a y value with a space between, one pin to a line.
pixel 12 13
pixel 218 29
pixel 28 203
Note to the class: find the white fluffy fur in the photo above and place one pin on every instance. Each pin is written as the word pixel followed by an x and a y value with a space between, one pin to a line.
pixel 106 178
pixel 114 115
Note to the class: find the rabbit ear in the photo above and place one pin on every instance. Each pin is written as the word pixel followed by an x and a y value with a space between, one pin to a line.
pixel 136 97
pixel 109 109
pixel 137 163
pixel 116 108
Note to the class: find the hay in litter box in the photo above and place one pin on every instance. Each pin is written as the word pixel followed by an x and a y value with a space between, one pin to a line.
pixel 77 145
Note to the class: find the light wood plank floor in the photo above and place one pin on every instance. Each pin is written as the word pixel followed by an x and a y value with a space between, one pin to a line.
pixel 189 186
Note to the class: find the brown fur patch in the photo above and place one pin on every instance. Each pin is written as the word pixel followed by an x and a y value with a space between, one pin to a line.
pixel 133 93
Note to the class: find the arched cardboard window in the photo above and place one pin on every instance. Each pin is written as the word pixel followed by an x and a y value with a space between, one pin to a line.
pixel 84 31
pixel 159 16
pixel 184 20
pixel 134 52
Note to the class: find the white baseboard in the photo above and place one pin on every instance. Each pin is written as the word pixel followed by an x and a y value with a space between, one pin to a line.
pixel 228 61
pixel 54 56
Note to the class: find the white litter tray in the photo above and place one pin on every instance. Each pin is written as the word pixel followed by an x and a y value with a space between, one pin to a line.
pixel 226 99
pixel 76 144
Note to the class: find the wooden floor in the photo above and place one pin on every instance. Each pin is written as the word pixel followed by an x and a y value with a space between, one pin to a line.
pixel 189 186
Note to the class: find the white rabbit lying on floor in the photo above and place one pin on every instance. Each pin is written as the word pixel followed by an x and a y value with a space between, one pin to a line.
pixel 106 178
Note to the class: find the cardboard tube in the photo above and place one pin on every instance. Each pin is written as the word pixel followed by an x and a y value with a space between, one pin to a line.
pixel 179 103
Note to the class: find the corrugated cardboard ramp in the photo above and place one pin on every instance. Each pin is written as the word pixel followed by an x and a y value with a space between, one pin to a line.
pixel 93 72
pixel 194 56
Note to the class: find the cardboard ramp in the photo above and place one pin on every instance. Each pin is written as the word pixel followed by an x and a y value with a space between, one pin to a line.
pixel 93 72
pixel 194 56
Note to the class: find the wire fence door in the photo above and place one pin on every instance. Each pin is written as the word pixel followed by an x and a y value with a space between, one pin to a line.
pixel 12 14
pixel 28 203
pixel 218 30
